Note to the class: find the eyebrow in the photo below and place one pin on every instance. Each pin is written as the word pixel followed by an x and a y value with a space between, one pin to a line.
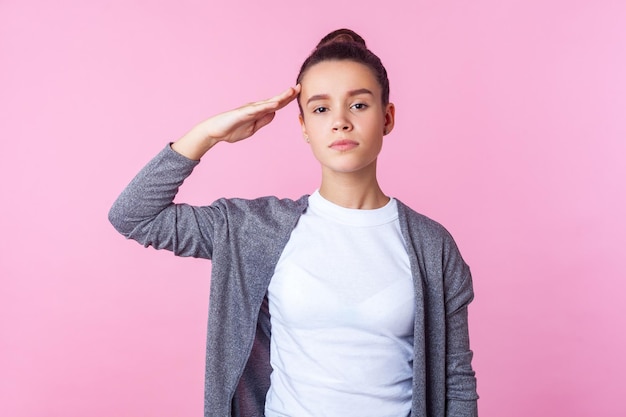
pixel 350 94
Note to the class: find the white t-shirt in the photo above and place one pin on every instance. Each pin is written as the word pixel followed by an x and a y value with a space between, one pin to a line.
pixel 342 309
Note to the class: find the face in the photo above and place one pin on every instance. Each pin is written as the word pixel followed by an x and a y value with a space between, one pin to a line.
pixel 343 117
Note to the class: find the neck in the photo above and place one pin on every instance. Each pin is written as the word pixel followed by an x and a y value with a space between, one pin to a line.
pixel 353 190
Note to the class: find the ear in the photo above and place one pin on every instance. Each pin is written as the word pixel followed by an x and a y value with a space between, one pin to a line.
pixel 390 118
pixel 303 126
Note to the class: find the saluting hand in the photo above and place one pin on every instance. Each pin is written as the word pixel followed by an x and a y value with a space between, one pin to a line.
pixel 234 125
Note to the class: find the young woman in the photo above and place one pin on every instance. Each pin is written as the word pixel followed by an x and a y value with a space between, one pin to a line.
pixel 342 303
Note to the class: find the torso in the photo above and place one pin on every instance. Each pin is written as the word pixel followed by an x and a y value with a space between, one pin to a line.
pixel 342 315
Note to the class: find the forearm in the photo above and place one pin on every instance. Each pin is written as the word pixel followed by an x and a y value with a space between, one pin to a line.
pixel 145 211
pixel 461 392
pixel 151 191
pixel 461 395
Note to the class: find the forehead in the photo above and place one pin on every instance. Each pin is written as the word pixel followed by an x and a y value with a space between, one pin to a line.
pixel 330 77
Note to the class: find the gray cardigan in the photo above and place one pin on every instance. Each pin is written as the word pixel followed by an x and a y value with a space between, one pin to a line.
pixel 244 239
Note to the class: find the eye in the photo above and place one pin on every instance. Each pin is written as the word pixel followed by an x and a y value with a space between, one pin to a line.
pixel 320 109
pixel 359 106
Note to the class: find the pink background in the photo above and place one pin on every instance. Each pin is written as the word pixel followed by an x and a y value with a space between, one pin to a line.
pixel 511 131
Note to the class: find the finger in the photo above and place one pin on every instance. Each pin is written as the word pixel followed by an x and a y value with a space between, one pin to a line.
pixel 288 96
pixel 261 108
pixel 269 105
pixel 284 97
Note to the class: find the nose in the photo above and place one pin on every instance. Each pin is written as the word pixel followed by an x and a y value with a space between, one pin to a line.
pixel 341 123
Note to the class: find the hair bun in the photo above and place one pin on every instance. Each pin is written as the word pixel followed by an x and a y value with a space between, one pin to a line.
pixel 342 35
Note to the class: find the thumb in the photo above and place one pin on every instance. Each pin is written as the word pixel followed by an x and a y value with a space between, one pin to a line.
pixel 264 121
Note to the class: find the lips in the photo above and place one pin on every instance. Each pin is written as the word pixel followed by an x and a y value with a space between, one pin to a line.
pixel 343 145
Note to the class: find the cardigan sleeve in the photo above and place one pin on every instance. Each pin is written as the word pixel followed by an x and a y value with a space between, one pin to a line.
pixel 461 393
pixel 145 210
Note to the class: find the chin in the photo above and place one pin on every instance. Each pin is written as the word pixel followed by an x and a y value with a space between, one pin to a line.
pixel 348 168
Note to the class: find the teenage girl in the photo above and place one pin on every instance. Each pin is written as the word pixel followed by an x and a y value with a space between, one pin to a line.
pixel 342 303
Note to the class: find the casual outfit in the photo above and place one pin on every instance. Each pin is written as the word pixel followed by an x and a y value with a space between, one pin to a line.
pixel 399 285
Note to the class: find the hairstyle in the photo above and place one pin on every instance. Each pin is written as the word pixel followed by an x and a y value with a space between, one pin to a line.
pixel 345 44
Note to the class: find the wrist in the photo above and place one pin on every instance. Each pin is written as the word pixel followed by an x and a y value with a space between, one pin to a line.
pixel 194 144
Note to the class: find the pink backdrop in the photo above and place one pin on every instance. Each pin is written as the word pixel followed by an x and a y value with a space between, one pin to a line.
pixel 511 131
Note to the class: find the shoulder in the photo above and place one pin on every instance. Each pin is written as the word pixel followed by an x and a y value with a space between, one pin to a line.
pixel 262 203
pixel 421 224
pixel 269 208
pixel 425 234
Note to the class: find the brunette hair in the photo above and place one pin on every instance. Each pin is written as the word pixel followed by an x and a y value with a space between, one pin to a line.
pixel 345 44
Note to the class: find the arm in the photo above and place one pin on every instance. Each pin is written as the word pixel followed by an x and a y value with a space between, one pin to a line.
pixel 460 380
pixel 145 210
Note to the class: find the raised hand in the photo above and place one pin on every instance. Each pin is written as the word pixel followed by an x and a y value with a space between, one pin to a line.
pixel 234 125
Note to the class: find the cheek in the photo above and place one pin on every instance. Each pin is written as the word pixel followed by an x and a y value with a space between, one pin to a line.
pixel 317 150
pixel 314 125
pixel 372 126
